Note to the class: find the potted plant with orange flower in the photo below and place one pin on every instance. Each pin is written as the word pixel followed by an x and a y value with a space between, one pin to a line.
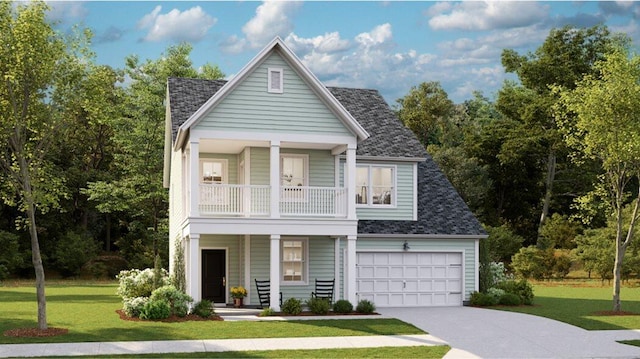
pixel 238 293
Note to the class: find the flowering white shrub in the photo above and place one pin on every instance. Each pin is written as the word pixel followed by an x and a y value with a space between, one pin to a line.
pixel 133 306
pixel 495 293
pixel 139 283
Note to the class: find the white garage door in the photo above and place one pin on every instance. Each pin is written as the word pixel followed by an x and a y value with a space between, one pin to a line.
pixel 410 278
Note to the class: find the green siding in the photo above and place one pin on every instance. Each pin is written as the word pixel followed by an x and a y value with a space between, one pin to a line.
pixel 427 245
pixel 249 107
pixel 233 245
pixel 321 166
pixel 321 266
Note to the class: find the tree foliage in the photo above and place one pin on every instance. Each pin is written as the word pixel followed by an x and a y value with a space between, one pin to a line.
pixel 606 108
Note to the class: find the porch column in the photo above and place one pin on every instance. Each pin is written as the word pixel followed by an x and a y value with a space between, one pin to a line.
pixel 194 178
pixel 247 266
pixel 350 283
pixel 274 271
pixel 194 268
pixel 351 181
pixel 274 180
pixel 336 266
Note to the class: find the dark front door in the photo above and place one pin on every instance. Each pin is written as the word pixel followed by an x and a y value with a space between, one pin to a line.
pixel 214 286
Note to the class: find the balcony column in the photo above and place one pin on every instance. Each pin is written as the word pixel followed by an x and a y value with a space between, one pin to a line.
pixel 194 178
pixel 274 179
pixel 194 267
pixel 274 271
pixel 351 181
pixel 350 282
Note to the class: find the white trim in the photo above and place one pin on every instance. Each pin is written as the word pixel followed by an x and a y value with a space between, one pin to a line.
pixel 226 270
pixel 266 137
pixel 336 266
pixel 305 261
pixel 296 64
pixel 270 85
pixel 266 225
pixel 274 271
pixel 415 192
pixel 247 265
pixel 352 276
pixel 274 178
pixel 387 159
pixel 336 170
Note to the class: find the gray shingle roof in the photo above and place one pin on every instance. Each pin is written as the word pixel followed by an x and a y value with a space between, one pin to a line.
pixel 440 209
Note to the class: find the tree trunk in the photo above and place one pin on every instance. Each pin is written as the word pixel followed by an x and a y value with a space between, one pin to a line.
pixel 35 244
pixel 551 174
pixel 617 305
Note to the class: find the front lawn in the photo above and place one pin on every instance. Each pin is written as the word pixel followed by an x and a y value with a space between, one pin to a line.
pixel 88 310
pixel 583 304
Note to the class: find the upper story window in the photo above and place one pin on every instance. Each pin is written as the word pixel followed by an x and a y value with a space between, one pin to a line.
pixel 294 254
pixel 275 80
pixel 376 185
pixel 213 171
pixel 294 173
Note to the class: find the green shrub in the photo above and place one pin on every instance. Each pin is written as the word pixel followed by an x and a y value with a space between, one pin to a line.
pixel 156 309
pixel 203 309
pixel 72 251
pixel 139 283
pixel 510 299
pixel 343 306
pixel 267 312
pixel 365 307
pixel 530 262
pixel 291 306
pixel 319 306
pixel 479 299
pixel 178 301
pixel 521 288
pixel 133 306
pixel 495 293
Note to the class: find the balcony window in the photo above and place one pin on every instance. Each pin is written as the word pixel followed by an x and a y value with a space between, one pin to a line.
pixel 294 256
pixel 213 171
pixel 294 174
pixel 375 185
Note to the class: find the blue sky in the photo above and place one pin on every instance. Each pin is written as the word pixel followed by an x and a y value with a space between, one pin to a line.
pixel 390 46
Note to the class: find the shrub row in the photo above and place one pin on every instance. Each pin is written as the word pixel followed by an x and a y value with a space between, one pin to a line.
pixel 509 292
pixel 321 306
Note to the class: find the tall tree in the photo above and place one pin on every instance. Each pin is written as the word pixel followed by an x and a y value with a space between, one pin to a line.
pixel 139 138
pixel 426 110
pixel 606 107
pixel 32 64
pixel 564 58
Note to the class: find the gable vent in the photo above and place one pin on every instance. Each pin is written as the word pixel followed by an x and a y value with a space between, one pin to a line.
pixel 275 80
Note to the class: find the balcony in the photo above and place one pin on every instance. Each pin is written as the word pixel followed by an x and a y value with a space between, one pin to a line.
pixel 255 201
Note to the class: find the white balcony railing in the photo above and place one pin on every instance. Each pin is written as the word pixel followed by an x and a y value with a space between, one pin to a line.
pixel 254 201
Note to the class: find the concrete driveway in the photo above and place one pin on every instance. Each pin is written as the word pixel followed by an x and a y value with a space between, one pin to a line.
pixel 485 333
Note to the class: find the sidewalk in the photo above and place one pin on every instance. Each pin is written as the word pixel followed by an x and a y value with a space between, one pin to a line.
pixel 210 345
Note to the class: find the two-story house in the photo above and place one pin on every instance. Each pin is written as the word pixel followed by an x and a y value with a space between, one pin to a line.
pixel 274 176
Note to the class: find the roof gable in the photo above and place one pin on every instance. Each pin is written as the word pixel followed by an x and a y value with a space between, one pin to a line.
pixel 277 45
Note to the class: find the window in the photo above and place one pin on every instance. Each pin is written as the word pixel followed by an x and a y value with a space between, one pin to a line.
pixel 275 79
pixel 294 174
pixel 375 185
pixel 294 260
pixel 213 171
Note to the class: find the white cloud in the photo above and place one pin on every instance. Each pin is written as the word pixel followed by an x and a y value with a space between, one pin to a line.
pixel 176 25
pixel 272 19
pixel 66 12
pixel 475 15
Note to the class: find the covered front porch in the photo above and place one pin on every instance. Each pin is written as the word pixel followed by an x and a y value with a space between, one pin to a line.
pixel 292 263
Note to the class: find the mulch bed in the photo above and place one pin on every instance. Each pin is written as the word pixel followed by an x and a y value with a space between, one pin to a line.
pixel 611 313
pixel 35 332
pixel 171 319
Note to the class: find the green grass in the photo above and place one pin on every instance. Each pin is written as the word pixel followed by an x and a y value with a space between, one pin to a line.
pixel 631 342
pixel 382 352
pixel 578 303
pixel 89 312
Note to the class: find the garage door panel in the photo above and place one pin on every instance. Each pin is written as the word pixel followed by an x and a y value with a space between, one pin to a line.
pixel 410 278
